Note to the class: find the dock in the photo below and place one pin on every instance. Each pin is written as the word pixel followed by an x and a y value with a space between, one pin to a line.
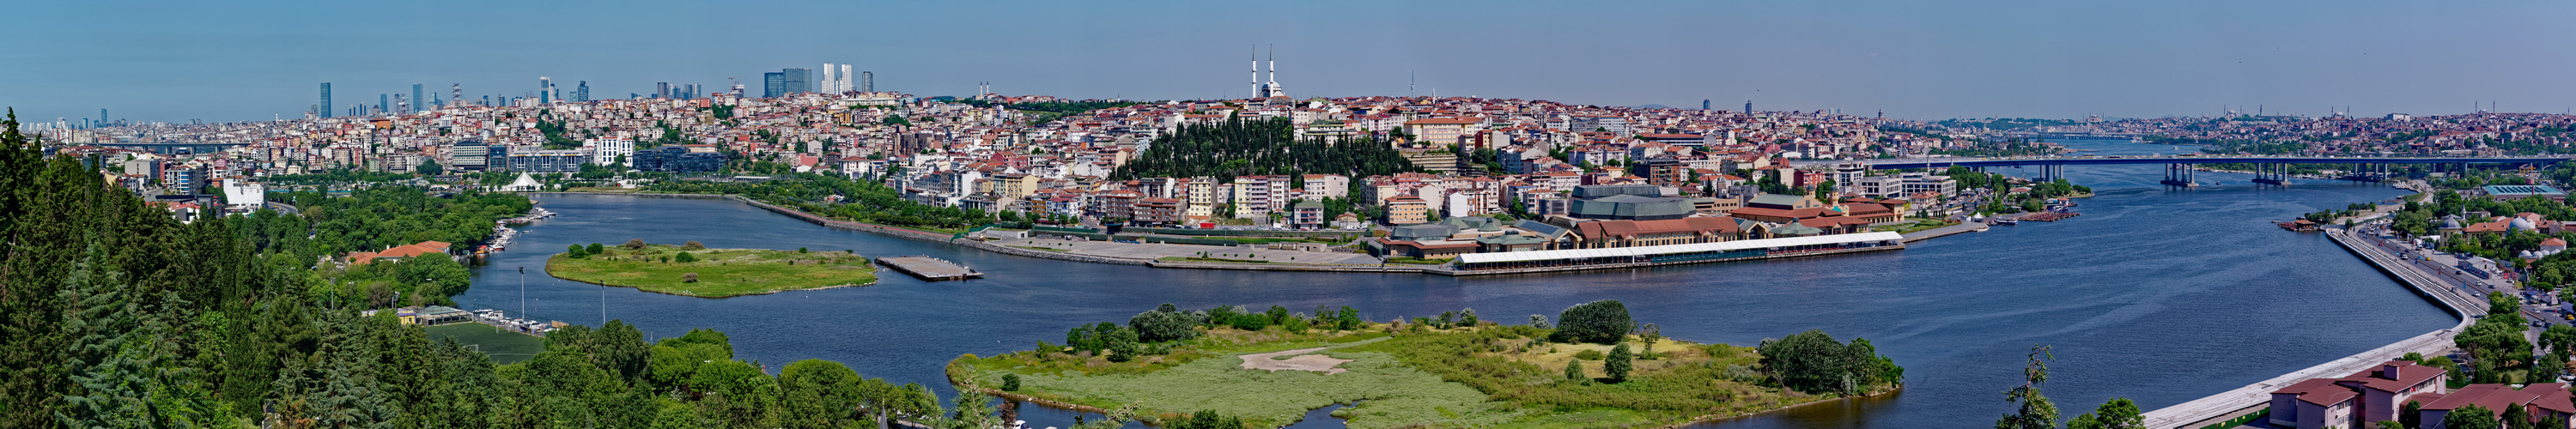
pixel 929 268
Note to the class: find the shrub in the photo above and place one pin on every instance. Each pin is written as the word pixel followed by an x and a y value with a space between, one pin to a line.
pixel 1010 382
pixel 1539 321
pixel 635 243
pixel 1814 362
pixel 693 245
pixel 684 257
pixel 1467 317
pixel 688 277
pixel 1599 322
pixel 1589 355
pixel 1160 325
pixel 1249 322
pixel 595 249
pixel 575 252
pixel 1621 360
pixel 1574 369
pixel 800 250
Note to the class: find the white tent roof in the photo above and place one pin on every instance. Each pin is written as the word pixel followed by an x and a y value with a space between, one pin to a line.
pixel 1549 255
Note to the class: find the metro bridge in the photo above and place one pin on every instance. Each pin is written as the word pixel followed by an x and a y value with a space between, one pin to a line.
pixel 2178 169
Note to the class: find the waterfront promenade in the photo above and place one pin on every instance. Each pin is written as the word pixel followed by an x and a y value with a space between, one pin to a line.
pixel 2207 410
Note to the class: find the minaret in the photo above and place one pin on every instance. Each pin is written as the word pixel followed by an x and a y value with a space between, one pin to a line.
pixel 1256 70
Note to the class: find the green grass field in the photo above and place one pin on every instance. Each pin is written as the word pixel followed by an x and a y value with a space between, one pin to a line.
pixel 503 346
pixel 1492 377
pixel 720 272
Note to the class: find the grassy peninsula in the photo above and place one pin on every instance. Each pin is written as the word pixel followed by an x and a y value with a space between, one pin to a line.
pixel 694 270
pixel 1266 369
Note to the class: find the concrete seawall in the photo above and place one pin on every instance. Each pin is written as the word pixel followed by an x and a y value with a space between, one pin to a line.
pixel 2190 415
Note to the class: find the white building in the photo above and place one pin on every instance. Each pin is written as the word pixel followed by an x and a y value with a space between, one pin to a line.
pixel 608 151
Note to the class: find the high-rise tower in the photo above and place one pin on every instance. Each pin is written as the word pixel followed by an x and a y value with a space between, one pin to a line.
pixel 416 105
pixel 545 90
pixel 845 80
pixel 868 81
pixel 325 108
pixel 581 92
pixel 828 80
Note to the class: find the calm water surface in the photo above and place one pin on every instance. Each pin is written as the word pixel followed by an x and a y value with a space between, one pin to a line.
pixel 2155 295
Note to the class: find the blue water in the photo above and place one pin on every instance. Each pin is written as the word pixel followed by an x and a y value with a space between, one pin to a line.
pixel 2157 295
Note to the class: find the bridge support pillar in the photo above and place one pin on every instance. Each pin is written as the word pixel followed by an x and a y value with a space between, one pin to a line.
pixel 2180 175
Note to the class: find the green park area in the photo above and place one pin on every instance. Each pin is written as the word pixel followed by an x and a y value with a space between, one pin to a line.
pixel 693 270
pixel 1238 368
pixel 503 346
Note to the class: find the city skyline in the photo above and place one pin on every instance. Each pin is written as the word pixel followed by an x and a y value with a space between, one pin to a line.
pixel 1985 59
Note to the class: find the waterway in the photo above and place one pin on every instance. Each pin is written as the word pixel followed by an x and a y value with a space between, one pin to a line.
pixel 2157 295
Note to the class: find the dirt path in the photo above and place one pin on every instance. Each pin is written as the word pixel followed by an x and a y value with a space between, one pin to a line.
pixel 1301 362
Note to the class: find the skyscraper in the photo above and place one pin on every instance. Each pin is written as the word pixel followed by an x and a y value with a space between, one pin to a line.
pixel 828 80
pixel 325 109
pixel 661 90
pixel 867 81
pixel 581 92
pixel 416 104
pixel 384 103
pixel 845 80
pixel 1703 105
pixel 545 90
pixel 786 82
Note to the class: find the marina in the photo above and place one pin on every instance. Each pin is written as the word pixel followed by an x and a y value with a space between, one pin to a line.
pixel 929 268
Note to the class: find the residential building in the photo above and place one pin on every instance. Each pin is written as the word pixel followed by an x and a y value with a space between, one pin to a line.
pixel 1407 210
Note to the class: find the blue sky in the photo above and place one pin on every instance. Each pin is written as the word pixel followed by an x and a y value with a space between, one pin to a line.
pixel 175 61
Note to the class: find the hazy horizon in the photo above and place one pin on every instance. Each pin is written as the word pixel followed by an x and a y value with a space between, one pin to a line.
pixel 172 62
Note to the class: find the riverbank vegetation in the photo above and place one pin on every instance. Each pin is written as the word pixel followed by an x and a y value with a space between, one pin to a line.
pixel 694 270
pixel 1600 369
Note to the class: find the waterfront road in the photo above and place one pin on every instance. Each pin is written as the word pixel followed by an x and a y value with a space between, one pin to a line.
pixel 2468 304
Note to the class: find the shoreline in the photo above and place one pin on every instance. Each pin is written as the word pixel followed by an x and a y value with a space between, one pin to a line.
pixel 2191 414
pixel 915 234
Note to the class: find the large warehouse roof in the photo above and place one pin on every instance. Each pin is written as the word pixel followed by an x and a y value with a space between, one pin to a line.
pixel 1550 255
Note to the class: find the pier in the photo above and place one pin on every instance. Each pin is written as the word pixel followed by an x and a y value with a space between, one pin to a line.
pixel 929 268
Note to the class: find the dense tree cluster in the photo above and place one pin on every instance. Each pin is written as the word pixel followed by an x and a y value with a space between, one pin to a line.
pixel 118 316
pixel 1602 322
pixel 1244 147
pixel 1814 362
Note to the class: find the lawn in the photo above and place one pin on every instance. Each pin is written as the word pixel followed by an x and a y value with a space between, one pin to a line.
pixel 503 346
pixel 720 272
pixel 1923 226
pixel 1196 259
pixel 1491 376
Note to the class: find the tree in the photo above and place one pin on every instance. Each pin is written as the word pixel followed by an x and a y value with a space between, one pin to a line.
pixel 1619 362
pixel 1163 325
pixel 2411 415
pixel 819 394
pixel 2034 410
pixel 1574 370
pixel 429 167
pixel 2118 413
pixel 594 249
pixel 1010 382
pixel 1600 322
pixel 2471 417
pixel 684 257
